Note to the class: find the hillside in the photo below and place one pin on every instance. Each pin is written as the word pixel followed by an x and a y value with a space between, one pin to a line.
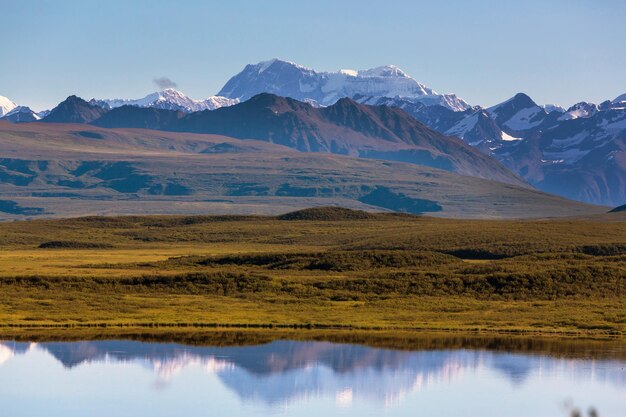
pixel 345 128
pixel 619 209
pixel 61 170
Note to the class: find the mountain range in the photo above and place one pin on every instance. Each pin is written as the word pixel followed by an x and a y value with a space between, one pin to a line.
pixel 345 128
pixel 578 153
pixel 168 99
pixel 288 79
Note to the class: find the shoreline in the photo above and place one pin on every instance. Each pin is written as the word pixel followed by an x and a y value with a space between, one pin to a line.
pixel 310 328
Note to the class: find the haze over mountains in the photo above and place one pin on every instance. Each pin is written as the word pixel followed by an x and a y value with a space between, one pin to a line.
pixel 382 113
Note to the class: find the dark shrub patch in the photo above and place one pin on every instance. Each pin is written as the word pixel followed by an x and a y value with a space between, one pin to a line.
pixel 65 244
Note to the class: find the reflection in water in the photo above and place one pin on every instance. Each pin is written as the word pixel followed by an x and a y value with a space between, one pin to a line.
pixel 284 374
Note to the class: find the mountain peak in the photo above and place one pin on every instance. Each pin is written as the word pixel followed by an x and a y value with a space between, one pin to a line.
pixel 21 114
pixel 346 101
pixel 168 99
pixel 383 71
pixel 288 79
pixel 171 92
pixel 6 106
pixel 523 99
pixel 551 108
pixel 263 65
pixel 276 104
pixel 580 110
pixel 519 113
pixel 74 110
pixel 74 99
pixel 517 102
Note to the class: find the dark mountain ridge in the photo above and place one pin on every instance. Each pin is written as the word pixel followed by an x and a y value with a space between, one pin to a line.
pixel 74 110
pixel 346 128
pixel 140 118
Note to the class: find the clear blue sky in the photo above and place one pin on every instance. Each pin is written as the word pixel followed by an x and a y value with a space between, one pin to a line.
pixel 557 51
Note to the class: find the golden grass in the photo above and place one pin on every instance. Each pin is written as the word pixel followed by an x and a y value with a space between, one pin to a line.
pixel 400 273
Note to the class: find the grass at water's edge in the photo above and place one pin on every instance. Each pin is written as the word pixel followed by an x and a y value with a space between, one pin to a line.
pixel 70 310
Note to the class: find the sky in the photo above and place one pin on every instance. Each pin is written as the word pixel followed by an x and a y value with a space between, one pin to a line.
pixel 557 51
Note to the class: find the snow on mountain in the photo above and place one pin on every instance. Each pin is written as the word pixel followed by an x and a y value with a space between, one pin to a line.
pixel 479 130
pixel 21 114
pixel 465 125
pixel 288 79
pixel 6 106
pixel 579 153
pixel 518 113
pixel 508 138
pixel 578 110
pixel 551 108
pixel 525 119
pixel 43 113
pixel 169 99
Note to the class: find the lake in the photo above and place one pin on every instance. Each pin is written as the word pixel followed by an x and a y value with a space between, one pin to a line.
pixel 302 378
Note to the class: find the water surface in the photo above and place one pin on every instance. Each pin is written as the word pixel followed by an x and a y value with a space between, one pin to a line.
pixel 289 378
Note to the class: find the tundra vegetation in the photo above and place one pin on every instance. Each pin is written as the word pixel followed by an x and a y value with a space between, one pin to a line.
pixel 323 269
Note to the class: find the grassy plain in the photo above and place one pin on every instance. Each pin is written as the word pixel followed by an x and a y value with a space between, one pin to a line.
pixel 323 269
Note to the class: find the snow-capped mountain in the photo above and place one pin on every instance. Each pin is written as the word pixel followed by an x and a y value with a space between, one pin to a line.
pixel 21 114
pixel 550 108
pixel 6 106
pixel 288 79
pixel 168 99
pixel 579 153
pixel 436 117
pixel 582 109
pixel 518 114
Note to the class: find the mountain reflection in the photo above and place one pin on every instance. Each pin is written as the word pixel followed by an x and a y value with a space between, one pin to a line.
pixel 282 371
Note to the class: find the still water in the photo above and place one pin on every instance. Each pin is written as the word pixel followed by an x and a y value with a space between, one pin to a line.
pixel 287 378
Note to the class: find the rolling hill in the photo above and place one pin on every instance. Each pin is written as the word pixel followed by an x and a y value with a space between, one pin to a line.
pixel 59 170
